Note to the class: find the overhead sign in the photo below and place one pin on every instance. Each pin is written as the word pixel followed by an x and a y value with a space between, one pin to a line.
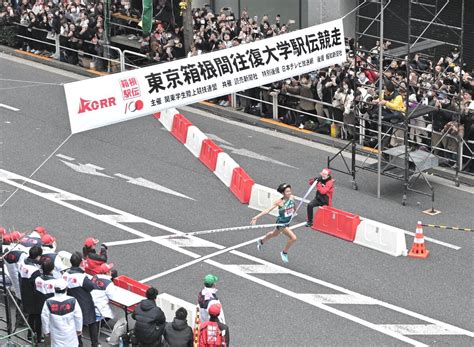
pixel 101 101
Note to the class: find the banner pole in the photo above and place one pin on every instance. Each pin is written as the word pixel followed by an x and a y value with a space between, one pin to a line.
pixel 39 167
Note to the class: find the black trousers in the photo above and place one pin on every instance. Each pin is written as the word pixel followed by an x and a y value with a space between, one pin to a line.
pixel 34 320
pixel 93 334
pixel 319 200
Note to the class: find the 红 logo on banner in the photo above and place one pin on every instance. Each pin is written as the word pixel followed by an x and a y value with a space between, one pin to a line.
pixel 92 105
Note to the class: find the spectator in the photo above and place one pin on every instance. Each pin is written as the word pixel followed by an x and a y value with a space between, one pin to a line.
pixel 214 332
pixel 80 287
pixel 208 296
pixel 104 292
pixel 44 283
pixel 29 271
pixel 92 260
pixel 62 317
pixel 49 244
pixel 150 320
pixel 33 238
pixel 178 333
pixel 324 192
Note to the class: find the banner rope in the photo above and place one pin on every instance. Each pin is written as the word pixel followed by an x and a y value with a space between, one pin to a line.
pixel 446 227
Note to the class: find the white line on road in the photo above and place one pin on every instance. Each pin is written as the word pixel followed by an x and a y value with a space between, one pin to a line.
pixel 8 177
pixel 441 243
pixel 11 108
pixel 420 329
pixel 64 157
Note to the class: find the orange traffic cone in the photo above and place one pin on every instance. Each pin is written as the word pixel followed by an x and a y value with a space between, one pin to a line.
pixel 418 249
pixel 197 324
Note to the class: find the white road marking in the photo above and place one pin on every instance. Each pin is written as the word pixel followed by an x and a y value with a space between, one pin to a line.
pixel 442 243
pixel 254 269
pixel 218 139
pixel 126 242
pixel 249 154
pixel 118 218
pixel 342 299
pixel 420 329
pixel 65 157
pixel 152 185
pixel 7 177
pixel 88 169
pixel 11 108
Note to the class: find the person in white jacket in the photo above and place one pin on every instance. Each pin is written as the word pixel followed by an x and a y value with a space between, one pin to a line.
pixel 62 317
pixel 105 291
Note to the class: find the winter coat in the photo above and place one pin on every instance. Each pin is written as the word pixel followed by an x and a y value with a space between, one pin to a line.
pixel 13 260
pixel 29 270
pixel 326 187
pixel 178 334
pixel 62 319
pixel 102 295
pixel 150 322
pixel 58 264
pixel 80 287
pixel 93 261
pixel 44 286
pixel 206 298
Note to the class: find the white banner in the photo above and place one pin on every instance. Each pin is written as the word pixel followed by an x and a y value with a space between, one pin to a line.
pixel 115 98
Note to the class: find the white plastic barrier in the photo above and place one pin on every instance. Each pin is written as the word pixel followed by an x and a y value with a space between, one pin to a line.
pixel 169 304
pixel 167 116
pixel 263 197
pixel 194 140
pixel 225 167
pixel 381 237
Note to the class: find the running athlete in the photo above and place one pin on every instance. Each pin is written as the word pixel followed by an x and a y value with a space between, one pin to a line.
pixel 286 210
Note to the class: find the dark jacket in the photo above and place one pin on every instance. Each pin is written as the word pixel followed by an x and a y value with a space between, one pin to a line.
pixel 80 287
pixel 29 270
pixel 150 322
pixel 178 334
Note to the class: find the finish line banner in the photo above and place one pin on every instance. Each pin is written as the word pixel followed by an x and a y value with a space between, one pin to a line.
pixel 106 100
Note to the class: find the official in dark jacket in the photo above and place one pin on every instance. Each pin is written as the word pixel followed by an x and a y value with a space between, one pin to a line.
pixel 80 287
pixel 29 271
pixel 179 333
pixel 150 321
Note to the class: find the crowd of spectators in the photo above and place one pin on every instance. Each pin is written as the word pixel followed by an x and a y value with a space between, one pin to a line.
pixel 342 96
pixel 62 294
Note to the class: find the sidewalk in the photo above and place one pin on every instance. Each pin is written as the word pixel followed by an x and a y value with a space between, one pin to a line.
pixel 230 113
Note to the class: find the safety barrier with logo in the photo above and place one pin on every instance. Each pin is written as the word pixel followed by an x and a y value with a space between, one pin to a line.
pixel 381 237
pixel 225 168
pixel 263 197
pixel 336 222
pixel 180 127
pixel 241 185
pixel 194 140
pixel 167 117
pixel 209 153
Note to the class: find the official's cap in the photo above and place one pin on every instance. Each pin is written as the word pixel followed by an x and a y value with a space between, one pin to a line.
pixel 41 230
pixel 215 310
pixel 326 172
pixel 48 239
pixel 60 284
pixel 91 242
pixel 210 279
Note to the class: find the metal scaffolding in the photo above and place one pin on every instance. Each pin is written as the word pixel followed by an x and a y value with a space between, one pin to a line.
pixel 401 163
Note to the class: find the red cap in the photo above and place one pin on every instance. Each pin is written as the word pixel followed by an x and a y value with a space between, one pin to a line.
pixel 215 310
pixel 48 239
pixel 326 171
pixel 104 268
pixel 3 231
pixel 14 236
pixel 41 230
pixel 91 242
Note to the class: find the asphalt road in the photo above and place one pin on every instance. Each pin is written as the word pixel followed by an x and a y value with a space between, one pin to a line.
pixel 264 309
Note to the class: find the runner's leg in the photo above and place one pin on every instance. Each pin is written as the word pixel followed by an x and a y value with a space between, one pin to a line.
pixel 291 238
pixel 270 235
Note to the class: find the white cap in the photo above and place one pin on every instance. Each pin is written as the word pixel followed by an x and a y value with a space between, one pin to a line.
pixel 60 284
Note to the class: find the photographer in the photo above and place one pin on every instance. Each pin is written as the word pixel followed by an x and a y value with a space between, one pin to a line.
pixel 324 193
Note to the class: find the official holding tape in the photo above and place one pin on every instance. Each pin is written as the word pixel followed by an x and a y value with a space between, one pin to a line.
pixel 324 192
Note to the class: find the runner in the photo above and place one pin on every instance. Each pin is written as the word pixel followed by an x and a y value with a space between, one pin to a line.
pixel 286 209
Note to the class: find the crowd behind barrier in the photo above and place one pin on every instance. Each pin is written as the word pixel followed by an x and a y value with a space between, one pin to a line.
pixel 57 295
pixel 339 100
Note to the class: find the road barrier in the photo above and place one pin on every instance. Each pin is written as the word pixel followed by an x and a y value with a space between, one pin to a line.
pixel 263 197
pixel 169 304
pixel 381 237
pixel 180 126
pixel 241 185
pixel 167 117
pixel 194 140
pixel 225 166
pixel 336 222
pixel 209 153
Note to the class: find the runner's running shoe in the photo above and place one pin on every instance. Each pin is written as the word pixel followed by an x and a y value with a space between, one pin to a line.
pixel 260 245
pixel 284 257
